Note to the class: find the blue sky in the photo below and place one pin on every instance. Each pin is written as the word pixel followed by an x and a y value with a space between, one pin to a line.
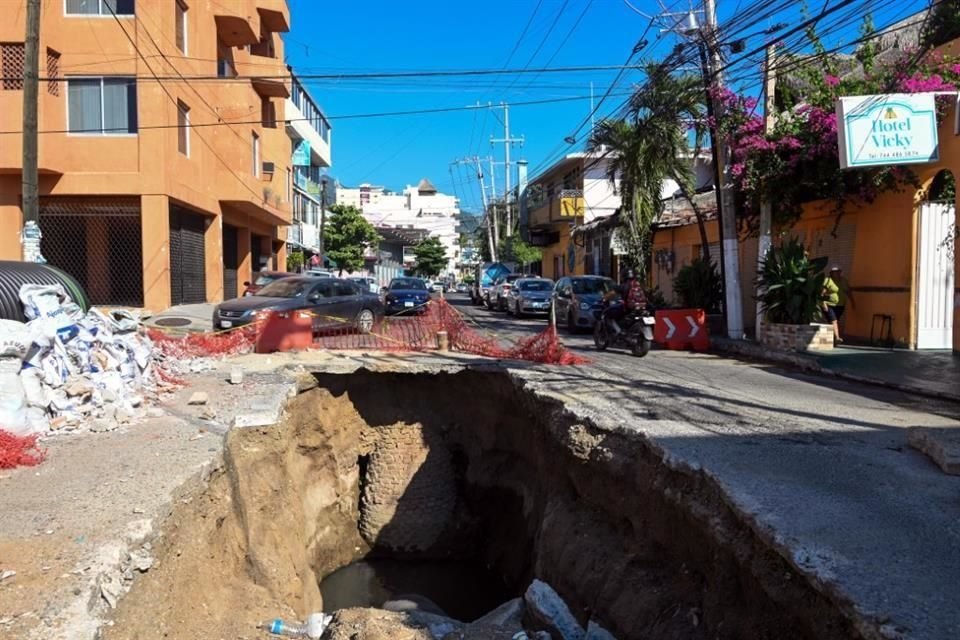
pixel 381 35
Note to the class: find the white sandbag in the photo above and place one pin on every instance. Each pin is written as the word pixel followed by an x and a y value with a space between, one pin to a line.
pixel 13 404
pixel 14 339
pixel 32 380
pixel 124 321
pixel 51 303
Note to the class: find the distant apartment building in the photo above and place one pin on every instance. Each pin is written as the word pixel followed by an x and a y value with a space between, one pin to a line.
pixel 419 209
pixel 156 187
pixel 310 133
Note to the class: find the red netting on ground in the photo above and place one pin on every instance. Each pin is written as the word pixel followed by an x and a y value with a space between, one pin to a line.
pixel 204 345
pixel 417 332
pixel 19 451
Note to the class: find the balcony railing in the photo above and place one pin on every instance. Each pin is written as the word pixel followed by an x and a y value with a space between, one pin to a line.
pixel 565 205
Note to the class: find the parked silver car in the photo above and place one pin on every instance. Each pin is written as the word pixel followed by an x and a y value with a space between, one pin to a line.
pixel 497 294
pixel 529 296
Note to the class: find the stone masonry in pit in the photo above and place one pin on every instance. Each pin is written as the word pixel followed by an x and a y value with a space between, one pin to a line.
pixel 409 494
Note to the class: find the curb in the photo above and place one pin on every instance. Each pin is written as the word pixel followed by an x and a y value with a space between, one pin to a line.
pixel 810 364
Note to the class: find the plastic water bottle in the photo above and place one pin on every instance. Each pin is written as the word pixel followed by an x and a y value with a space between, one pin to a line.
pixel 313 628
pixel 284 629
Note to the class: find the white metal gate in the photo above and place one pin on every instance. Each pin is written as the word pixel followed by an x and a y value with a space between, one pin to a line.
pixel 936 277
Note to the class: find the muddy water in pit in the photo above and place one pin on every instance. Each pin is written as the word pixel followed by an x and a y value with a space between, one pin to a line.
pixel 463 590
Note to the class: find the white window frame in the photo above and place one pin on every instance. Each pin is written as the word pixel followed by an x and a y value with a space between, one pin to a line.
pixel 185 23
pixel 184 108
pixel 101 134
pixel 101 14
pixel 257 165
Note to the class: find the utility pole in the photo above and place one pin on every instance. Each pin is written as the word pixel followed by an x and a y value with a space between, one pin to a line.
pixel 491 225
pixel 766 208
pixel 728 217
pixel 323 223
pixel 507 143
pixel 31 179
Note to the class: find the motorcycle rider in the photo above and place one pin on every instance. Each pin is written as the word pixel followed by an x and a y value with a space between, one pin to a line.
pixel 633 296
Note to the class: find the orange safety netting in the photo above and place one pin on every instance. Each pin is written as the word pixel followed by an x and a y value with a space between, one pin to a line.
pixel 19 451
pixel 418 332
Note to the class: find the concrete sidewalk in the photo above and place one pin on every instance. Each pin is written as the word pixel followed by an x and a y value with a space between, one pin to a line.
pixel 929 373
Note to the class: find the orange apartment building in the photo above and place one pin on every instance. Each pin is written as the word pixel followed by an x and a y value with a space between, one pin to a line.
pixel 141 209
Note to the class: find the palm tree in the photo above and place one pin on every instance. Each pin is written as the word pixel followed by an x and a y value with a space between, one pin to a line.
pixel 648 146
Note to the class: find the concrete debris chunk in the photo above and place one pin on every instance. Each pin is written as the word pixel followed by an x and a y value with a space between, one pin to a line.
pixel 7 574
pixel 111 586
pixel 940 445
pixel 509 614
pixel 596 632
pixel 141 560
pixel 198 398
pixel 548 611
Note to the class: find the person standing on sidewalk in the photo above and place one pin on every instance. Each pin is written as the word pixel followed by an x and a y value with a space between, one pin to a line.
pixel 836 293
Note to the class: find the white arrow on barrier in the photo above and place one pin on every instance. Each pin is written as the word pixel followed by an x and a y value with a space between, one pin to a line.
pixel 671 329
pixel 694 329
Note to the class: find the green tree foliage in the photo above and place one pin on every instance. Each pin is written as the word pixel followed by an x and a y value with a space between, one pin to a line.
pixel 698 286
pixel 943 25
pixel 294 260
pixel 431 257
pixel 347 235
pixel 647 147
pixel 792 284
pixel 516 250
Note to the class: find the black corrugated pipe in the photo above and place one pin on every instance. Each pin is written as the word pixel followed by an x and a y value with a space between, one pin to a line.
pixel 13 275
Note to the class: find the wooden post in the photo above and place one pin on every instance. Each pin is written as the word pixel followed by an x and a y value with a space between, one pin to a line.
pixel 31 83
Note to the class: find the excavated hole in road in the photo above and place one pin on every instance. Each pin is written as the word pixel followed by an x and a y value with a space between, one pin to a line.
pixel 462 487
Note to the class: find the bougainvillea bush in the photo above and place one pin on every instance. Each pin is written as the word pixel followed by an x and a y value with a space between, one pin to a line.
pixel 798 161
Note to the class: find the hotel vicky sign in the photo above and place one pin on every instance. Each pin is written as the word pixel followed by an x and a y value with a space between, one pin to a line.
pixel 887 129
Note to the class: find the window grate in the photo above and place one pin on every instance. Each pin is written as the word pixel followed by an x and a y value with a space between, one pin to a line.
pixel 12 60
pixel 53 72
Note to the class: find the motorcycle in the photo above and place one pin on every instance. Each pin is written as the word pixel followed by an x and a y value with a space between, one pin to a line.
pixel 636 330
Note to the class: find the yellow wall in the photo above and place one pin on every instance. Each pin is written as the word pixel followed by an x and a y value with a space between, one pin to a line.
pixel 883 263
pixel 217 175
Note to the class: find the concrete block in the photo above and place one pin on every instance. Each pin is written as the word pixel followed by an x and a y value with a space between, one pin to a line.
pixel 257 417
pixel 940 445
pixel 547 608
pixel 198 397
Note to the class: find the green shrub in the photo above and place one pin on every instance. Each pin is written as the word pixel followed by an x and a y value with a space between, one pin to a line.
pixel 792 284
pixel 698 286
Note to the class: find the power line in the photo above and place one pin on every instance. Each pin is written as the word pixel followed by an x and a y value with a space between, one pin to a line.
pixel 356 76
pixel 352 116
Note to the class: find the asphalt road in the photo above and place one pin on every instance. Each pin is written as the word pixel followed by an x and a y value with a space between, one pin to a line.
pixel 824 463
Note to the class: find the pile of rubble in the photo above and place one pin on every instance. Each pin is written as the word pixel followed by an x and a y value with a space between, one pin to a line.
pixel 69 370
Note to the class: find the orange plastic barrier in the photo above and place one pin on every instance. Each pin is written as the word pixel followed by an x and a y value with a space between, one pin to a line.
pixel 680 329
pixel 285 331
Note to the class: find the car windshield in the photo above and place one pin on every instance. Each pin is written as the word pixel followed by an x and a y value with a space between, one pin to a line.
pixel 592 285
pixel 408 283
pixel 263 281
pixel 536 285
pixel 283 288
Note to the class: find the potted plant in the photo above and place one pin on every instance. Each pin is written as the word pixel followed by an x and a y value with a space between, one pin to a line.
pixel 792 297
pixel 698 286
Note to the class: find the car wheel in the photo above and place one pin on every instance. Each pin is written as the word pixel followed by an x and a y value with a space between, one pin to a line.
pixel 365 320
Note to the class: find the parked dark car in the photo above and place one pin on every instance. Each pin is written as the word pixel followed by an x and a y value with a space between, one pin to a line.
pixel 577 297
pixel 334 303
pixel 529 296
pixel 263 279
pixel 407 296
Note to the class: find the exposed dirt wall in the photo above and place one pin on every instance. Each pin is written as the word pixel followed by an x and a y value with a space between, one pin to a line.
pixel 470 465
